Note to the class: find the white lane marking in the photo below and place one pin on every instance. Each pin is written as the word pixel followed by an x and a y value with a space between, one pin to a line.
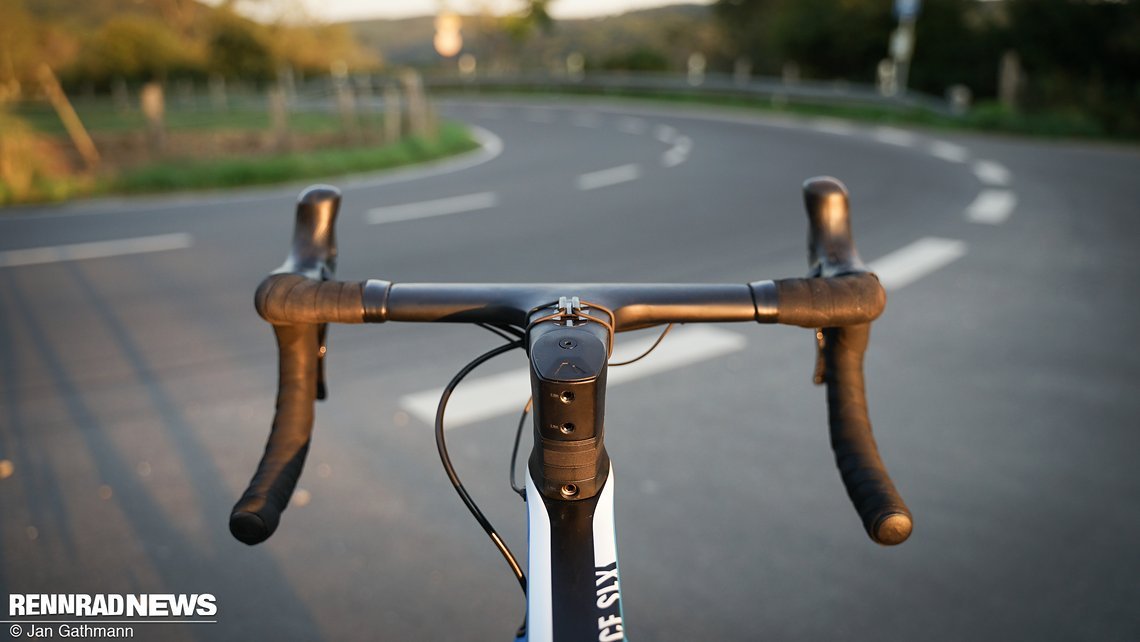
pixel 665 134
pixel 991 173
pixel 494 395
pixel 678 153
pixel 586 119
pixel 95 249
pixel 949 151
pixel 428 209
pixel 992 206
pixel 490 147
pixel 630 125
pixel 894 136
pixel 607 177
pixel 912 262
pixel 833 126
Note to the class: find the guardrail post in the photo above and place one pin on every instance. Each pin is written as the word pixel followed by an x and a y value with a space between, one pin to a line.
pixel 345 100
pixel 279 117
pixel 418 117
pixel 218 99
pixel 742 71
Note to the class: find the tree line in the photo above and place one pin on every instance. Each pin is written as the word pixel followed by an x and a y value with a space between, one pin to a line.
pixel 1081 55
pixel 97 42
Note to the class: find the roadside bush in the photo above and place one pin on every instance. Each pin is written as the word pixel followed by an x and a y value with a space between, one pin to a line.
pixel 31 168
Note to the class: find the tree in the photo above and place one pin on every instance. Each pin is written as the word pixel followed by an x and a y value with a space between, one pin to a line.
pixel 1080 54
pixel 534 16
pixel 17 47
pixel 25 44
pixel 136 47
pixel 826 38
pixel 956 42
pixel 237 48
pixel 835 38
pixel 313 49
pixel 750 31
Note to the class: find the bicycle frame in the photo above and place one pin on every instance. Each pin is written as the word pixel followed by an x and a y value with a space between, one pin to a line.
pixel 573 580
pixel 573 590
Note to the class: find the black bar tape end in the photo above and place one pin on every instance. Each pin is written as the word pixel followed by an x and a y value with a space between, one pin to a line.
pixel 892 529
pixel 250 525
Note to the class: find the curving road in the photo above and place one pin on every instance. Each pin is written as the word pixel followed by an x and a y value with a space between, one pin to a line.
pixel 136 389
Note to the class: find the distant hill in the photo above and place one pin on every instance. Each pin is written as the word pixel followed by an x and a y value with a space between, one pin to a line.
pixel 402 41
pixel 665 35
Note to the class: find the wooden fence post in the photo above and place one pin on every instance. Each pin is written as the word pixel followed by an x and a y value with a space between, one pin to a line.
pixel 71 122
pixel 153 104
pixel 393 114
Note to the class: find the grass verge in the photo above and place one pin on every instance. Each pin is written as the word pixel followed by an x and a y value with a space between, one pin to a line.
pixel 260 170
pixel 44 184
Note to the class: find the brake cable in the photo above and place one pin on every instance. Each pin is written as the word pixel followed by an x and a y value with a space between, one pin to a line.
pixel 441 445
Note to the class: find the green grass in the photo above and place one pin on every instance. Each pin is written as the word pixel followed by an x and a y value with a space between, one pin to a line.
pixel 259 170
pixel 39 184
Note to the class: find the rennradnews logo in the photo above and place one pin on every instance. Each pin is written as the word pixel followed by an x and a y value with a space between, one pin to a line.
pixel 144 605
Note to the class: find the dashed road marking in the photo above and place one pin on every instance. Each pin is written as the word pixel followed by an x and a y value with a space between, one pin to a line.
pixel 992 206
pixel 678 153
pixel 429 209
pixel 95 250
pixel 949 151
pixel 912 262
pixel 607 177
pixel 894 136
pixel 991 173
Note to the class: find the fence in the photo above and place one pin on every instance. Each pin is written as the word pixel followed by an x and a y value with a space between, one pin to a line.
pixel 136 124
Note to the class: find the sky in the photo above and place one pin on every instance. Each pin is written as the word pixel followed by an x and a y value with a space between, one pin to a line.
pixel 334 10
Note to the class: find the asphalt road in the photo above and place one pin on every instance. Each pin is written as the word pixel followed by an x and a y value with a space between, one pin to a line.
pixel 136 390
